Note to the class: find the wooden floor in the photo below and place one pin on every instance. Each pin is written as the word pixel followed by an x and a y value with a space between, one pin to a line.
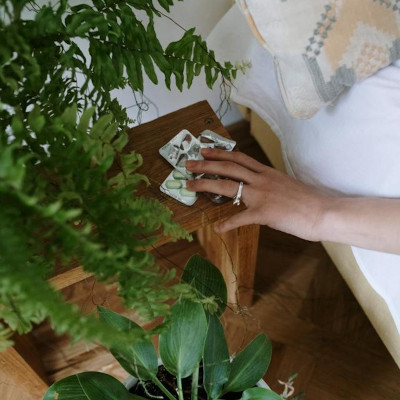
pixel 316 326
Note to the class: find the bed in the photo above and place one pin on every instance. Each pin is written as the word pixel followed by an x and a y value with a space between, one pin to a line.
pixel 349 146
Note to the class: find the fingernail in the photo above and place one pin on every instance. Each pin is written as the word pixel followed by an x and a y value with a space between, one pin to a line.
pixel 205 150
pixel 189 164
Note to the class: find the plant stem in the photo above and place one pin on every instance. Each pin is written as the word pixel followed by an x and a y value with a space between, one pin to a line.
pixel 180 390
pixel 195 383
pixel 163 388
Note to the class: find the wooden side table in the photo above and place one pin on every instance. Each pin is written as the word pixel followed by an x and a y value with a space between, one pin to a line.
pixel 235 252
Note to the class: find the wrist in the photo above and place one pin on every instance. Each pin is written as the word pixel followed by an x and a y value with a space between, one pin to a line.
pixel 330 221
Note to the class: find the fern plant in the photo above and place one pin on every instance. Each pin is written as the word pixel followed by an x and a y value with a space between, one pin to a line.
pixel 60 132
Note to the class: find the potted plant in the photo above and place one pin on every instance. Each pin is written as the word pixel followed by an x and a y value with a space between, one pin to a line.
pixel 60 133
pixel 192 349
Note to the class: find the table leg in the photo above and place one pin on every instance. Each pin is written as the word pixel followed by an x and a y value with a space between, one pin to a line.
pixel 235 254
pixel 21 366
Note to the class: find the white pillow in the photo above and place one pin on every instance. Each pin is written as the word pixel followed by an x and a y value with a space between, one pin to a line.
pixel 321 47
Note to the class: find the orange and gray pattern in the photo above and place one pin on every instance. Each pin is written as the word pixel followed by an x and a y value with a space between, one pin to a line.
pixel 350 40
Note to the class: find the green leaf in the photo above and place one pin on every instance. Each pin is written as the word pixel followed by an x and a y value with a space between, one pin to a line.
pixel 164 4
pixel 130 162
pixel 216 362
pixel 101 124
pixel 207 280
pixel 83 28
pixel 134 71
pixel 35 120
pixel 74 22
pixel 108 134
pixel 189 73
pixel 88 386
pixel 135 179
pixel 182 344
pixel 17 125
pixel 52 208
pixel 208 71
pixel 85 119
pixel 250 365
pixel 140 358
pixel 6 161
pixel 121 141
pixel 69 115
pixel 259 393
pixel 149 68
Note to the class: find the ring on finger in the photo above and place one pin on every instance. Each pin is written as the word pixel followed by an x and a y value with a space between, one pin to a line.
pixel 238 196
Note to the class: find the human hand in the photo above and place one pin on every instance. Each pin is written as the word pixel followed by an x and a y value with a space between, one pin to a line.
pixel 271 197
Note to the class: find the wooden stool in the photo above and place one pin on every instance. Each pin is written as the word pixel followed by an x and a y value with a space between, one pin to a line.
pixel 234 252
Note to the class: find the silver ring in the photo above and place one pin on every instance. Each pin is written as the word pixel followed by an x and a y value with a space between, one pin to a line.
pixel 238 197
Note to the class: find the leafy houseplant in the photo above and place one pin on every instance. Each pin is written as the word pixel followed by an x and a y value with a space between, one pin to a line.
pixel 60 133
pixel 192 339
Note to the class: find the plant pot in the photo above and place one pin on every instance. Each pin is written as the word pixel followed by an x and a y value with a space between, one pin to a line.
pixel 131 381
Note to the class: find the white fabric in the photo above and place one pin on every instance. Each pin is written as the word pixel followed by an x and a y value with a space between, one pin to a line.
pixel 352 146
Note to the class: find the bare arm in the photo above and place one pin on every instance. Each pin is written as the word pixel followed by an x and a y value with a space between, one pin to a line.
pixel 371 223
pixel 281 202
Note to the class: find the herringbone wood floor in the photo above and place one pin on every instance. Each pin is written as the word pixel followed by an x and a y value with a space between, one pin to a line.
pixel 316 326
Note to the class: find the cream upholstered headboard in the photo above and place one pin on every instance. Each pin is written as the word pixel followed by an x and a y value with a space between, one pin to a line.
pixel 265 137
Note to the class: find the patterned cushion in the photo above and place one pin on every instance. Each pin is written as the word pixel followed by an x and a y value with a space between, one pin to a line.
pixel 321 46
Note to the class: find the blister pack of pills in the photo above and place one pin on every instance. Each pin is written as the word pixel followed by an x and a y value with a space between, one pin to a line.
pixel 184 146
pixel 175 186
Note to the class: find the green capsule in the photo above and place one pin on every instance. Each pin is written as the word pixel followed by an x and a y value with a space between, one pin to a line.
pixel 187 193
pixel 173 184
pixel 178 175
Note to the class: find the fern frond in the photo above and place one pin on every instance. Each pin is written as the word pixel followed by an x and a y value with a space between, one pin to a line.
pixel 60 132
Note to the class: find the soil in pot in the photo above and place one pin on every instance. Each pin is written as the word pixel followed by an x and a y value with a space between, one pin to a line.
pixel 150 391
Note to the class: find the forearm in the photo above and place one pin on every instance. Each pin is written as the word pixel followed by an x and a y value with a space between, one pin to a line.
pixel 281 202
pixel 372 223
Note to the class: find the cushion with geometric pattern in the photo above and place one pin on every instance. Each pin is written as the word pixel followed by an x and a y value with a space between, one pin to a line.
pixel 321 46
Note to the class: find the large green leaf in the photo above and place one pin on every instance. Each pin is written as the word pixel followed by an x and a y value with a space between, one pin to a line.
pixel 139 358
pixel 88 386
pixel 250 365
pixel 216 363
pixel 181 345
pixel 259 393
pixel 207 279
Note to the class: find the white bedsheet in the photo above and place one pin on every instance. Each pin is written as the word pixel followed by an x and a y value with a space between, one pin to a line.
pixel 352 146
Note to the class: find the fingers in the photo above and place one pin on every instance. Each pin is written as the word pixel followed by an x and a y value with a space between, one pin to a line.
pixel 235 156
pixel 240 219
pixel 229 169
pixel 219 186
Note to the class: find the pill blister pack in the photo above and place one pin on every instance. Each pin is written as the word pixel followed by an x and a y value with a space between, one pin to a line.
pixel 175 186
pixel 184 146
